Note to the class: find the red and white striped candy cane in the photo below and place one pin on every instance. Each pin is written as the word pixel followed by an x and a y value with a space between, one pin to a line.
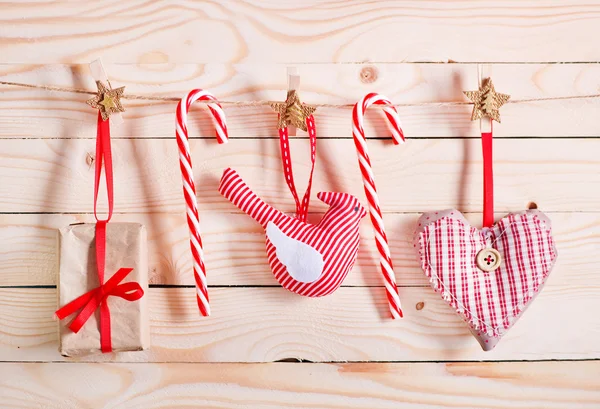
pixel 189 189
pixel 371 192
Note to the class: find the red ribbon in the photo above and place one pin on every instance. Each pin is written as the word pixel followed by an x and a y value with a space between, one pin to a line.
pixel 103 154
pixel 488 180
pixel 286 159
pixel 97 298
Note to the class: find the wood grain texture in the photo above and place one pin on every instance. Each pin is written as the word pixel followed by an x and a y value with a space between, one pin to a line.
pixel 311 31
pixel 57 176
pixel 353 324
pixel 539 385
pixel 235 249
pixel 546 153
pixel 28 113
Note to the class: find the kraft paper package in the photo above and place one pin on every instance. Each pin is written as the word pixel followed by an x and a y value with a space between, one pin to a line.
pixel 126 247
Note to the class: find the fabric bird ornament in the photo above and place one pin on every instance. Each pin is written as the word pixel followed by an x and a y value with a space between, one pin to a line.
pixel 308 259
pixel 488 276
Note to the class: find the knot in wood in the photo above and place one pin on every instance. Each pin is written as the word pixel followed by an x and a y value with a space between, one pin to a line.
pixel 368 75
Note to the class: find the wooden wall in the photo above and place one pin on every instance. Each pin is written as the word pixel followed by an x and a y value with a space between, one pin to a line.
pixel 264 347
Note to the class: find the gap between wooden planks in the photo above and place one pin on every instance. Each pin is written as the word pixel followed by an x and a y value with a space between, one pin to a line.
pixel 353 324
pixel 31 113
pixel 235 249
pixel 386 31
pixel 420 175
pixel 539 385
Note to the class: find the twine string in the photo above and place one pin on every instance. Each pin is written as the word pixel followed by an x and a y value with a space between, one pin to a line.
pixel 268 103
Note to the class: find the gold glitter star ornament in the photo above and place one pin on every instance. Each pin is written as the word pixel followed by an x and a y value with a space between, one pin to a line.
pixel 486 101
pixel 292 111
pixel 107 100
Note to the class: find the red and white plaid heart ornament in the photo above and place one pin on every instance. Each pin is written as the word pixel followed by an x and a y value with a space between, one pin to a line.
pixel 519 251
pixel 488 276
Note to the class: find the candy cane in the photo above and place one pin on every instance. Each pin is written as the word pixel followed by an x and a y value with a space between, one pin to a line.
pixel 189 189
pixel 369 183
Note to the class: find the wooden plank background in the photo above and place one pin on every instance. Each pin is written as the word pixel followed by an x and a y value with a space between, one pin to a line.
pixel 340 351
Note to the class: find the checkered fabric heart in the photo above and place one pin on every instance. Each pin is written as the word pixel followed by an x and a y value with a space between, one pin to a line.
pixel 519 254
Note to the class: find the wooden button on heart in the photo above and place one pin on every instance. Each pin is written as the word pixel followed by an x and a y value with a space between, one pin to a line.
pixel 488 259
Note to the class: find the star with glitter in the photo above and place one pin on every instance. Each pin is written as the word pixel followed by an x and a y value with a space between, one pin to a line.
pixel 292 111
pixel 107 100
pixel 486 101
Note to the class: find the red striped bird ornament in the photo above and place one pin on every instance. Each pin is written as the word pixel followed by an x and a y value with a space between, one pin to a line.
pixel 307 259
pixel 313 259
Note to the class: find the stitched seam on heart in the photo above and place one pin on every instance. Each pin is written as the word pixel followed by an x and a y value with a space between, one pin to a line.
pixel 459 306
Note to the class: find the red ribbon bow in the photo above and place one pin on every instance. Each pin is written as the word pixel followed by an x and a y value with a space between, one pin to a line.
pixel 90 301
pixel 97 298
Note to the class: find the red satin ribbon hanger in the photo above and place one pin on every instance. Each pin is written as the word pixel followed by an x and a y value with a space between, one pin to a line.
pixel 103 155
pixel 488 179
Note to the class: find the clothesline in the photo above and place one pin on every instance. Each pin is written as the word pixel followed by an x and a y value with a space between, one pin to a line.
pixel 268 103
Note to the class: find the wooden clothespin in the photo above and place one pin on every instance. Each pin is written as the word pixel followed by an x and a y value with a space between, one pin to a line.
pixel 107 100
pixel 484 72
pixel 292 112
pixel 293 87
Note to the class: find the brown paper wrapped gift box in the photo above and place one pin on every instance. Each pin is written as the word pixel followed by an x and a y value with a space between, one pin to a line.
pixel 126 246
